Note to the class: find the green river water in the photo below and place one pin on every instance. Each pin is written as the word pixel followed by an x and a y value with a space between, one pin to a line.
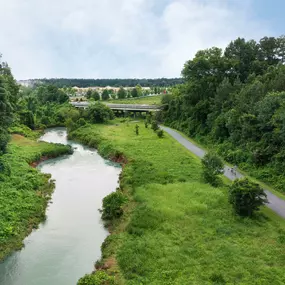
pixel 67 244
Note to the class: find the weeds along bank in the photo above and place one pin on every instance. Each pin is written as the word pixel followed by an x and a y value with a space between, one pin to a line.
pixel 175 228
pixel 24 191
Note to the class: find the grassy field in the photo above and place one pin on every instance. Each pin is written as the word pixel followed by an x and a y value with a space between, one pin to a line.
pixel 176 229
pixel 24 191
pixel 149 100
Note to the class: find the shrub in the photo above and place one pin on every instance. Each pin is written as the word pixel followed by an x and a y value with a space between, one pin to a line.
pixel 4 139
pixel 154 125
pixel 113 206
pixel 70 125
pixel 97 278
pixel 81 122
pixel 99 113
pixel 246 197
pixel 5 166
pixel 160 133
pixel 212 167
pixel 137 129
pixel 149 118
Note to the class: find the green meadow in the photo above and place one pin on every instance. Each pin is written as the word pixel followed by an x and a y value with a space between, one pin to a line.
pixel 176 229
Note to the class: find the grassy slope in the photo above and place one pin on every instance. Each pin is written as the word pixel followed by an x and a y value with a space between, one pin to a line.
pixel 149 100
pixel 24 192
pixel 247 173
pixel 178 230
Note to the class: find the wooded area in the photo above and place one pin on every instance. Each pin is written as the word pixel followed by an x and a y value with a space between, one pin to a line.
pixel 116 82
pixel 235 101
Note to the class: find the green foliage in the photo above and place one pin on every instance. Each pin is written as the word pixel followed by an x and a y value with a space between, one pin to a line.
pixel 97 278
pixel 146 124
pixel 246 197
pixel 81 122
pixel 27 118
pixel 71 125
pixel 25 131
pixel 122 93
pixel 148 100
pixel 236 99
pixel 105 95
pixel 50 93
pixel 160 133
pixel 134 93
pixel 24 191
pixel 95 95
pixel 212 167
pixel 5 114
pixel 113 205
pixel 137 129
pixel 99 113
pixel 89 94
pixel 44 105
pixel 4 139
pixel 181 230
pixel 114 82
pixel 154 125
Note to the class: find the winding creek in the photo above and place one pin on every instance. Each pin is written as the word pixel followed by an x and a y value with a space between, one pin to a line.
pixel 66 245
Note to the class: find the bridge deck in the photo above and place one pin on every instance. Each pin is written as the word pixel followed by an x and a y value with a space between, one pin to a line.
pixel 123 107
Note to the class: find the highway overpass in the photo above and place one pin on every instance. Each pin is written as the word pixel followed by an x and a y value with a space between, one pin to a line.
pixel 122 107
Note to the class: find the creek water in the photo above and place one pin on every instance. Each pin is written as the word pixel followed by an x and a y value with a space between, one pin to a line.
pixel 67 244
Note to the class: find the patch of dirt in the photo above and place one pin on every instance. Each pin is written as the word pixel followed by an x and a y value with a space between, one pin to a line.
pixel 17 137
pixel 119 159
pixel 36 163
pixel 109 264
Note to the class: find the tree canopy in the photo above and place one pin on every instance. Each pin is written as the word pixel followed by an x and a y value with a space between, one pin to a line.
pixel 235 100
pixel 116 82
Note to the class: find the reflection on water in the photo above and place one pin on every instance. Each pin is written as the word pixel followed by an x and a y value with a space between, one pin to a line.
pixel 66 245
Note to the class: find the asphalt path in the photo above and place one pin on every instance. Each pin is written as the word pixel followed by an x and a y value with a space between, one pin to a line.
pixel 274 203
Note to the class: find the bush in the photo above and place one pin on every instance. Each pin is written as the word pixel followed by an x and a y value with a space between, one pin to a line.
pixel 113 206
pixel 99 113
pixel 70 125
pixel 81 122
pixel 212 167
pixel 246 197
pixel 97 278
pixel 160 133
pixel 137 129
pixel 4 139
pixel 154 126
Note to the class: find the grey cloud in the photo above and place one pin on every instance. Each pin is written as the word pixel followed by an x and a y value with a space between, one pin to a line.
pixel 111 38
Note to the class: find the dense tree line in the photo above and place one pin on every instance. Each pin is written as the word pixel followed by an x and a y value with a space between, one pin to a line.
pixel 235 100
pixel 83 83
pixel 8 98
pixel 44 106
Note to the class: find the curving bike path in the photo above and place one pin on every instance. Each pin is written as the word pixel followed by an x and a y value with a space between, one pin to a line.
pixel 274 203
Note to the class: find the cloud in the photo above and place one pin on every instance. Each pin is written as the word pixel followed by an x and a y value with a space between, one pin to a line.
pixel 111 38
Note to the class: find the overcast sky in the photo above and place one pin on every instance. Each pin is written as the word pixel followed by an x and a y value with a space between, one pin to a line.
pixel 124 38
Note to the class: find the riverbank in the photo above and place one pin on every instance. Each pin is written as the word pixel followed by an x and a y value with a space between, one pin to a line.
pixel 176 229
pixel 24 191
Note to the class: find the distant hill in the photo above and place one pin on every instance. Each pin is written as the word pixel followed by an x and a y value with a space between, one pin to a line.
pixel 81 83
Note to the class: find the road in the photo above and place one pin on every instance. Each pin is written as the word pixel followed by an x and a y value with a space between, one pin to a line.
pixel 124 107
pixel 274 203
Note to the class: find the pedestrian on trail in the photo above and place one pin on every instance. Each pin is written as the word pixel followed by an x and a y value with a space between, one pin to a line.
pixel 235 169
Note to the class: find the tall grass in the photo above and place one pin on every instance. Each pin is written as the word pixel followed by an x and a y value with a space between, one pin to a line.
pixel 176 229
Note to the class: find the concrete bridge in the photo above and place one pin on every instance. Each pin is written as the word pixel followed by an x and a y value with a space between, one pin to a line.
pixel 122 107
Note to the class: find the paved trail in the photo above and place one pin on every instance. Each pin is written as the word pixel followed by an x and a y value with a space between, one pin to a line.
pixel 275 203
